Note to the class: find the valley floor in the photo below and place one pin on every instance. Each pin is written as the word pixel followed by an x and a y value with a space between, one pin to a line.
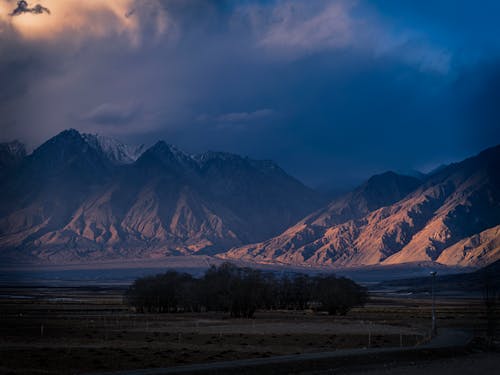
pixel 76 330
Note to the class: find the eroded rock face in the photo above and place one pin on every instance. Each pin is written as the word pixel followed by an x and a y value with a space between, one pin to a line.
pixel 81 197
pixel 454 209
pixel 86 197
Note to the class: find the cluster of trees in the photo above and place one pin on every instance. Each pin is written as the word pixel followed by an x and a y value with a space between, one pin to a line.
pixel 241 291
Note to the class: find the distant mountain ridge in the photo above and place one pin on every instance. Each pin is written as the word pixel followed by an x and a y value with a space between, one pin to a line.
pixel 89 198
pixel 451 217
pixel 82 197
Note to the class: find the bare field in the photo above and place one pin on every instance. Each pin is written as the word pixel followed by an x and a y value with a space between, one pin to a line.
pixel 74 330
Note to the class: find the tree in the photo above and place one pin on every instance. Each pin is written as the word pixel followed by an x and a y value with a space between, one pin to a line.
pixel 242 291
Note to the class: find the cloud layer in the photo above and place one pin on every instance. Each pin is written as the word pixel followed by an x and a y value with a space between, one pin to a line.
pixel 332 90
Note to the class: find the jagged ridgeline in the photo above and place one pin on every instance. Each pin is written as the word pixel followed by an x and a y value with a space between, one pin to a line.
pixel 82 197
pixel 451 216
pixel 88 197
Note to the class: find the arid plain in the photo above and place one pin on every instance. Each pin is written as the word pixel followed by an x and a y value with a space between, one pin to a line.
pixel 77 330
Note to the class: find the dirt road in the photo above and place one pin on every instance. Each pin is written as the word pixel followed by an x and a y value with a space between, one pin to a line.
pixel 447 340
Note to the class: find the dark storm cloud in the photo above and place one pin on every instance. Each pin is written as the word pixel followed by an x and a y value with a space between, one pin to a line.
pixel 16 77
pixel 23 7
pixel 332 90
pixel 477 98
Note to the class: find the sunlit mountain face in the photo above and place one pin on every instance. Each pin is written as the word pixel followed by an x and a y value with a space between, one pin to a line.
pixel 81 197
pixel 321 133
pixel 450 217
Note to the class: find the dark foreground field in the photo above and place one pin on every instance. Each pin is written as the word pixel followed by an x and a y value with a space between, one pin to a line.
pixel 75 330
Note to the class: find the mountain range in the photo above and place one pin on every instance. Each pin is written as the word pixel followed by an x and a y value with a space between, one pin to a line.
pixel 451 216
pixel 89 198
pixel 81 197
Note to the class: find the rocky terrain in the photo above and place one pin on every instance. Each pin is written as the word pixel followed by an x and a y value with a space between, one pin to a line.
pixel 86 197
pixel 450 217
pixel 82 197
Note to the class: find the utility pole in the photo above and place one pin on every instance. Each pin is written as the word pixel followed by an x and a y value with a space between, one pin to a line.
pixel 434 328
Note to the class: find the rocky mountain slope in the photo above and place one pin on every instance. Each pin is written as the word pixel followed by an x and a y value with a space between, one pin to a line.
pixel 451 217
pixel 79 197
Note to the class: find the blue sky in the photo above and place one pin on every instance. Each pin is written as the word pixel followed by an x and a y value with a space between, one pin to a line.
pixel 333 91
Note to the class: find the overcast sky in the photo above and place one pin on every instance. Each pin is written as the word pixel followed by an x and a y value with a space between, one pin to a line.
pixel 333 91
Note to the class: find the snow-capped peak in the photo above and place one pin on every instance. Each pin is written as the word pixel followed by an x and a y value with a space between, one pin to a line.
pixel 117 152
